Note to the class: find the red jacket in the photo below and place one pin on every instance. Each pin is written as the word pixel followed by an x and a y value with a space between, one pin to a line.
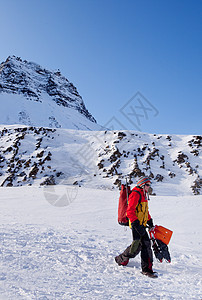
pixel 138 210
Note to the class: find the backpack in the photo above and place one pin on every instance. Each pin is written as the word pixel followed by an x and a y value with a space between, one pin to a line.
pixel 123 204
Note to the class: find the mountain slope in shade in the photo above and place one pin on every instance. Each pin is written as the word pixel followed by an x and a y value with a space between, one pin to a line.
pixel 34 96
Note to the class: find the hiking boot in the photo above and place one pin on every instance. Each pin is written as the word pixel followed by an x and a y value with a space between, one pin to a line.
pixel 121 262
pixel 150 273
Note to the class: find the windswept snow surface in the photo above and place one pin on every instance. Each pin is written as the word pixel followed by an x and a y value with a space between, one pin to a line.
pixel 60 243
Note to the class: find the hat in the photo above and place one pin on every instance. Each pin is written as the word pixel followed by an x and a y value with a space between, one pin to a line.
pixel 143 180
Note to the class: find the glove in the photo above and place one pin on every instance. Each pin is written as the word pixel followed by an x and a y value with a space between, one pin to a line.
pixel 140 229
pixel 150 223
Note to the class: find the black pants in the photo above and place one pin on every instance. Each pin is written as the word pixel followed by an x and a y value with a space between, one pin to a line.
pixel 146 253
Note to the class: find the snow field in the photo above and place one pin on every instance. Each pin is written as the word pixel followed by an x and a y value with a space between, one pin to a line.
pixel 67 252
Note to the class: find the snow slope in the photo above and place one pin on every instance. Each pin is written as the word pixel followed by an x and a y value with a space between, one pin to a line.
pixel 47 114
pixel 52 252
pixel 101 159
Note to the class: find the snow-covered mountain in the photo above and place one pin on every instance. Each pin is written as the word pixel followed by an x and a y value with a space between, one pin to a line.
pixel 99 159
pixel 34 96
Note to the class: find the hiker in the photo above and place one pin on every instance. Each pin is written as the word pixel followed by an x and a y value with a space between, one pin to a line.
pixel 139 217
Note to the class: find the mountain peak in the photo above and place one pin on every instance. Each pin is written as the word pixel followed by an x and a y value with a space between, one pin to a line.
pixel 26 87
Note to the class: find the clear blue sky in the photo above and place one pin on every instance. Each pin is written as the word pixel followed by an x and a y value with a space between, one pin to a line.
pixel 113 49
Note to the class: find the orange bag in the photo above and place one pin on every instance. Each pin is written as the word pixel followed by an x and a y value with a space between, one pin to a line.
pixel 160 233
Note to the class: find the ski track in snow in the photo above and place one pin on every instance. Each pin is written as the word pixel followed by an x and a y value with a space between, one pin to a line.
pixel 68 253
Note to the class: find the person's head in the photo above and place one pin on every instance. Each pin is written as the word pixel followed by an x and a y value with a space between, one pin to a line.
pixel 144 182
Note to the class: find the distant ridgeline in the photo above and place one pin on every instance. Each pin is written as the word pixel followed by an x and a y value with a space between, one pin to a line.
pixel 44 156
